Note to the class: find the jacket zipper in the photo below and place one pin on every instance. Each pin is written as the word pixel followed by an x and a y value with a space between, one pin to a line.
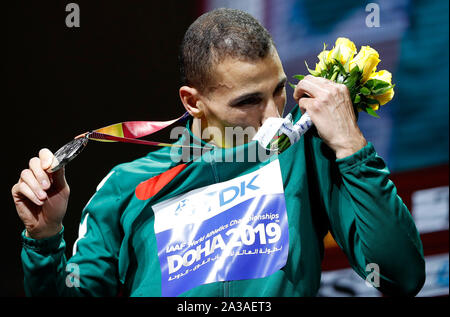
pixel 226 284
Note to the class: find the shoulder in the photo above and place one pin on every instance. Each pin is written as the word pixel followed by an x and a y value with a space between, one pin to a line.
pixel 126 176
pixel 120 183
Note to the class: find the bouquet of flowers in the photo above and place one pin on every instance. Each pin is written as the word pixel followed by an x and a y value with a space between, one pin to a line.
pixel 368 88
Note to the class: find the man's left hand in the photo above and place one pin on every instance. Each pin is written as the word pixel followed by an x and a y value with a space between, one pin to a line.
pixel 331 111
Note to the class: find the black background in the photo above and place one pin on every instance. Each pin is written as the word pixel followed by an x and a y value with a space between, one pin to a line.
pixel 119 65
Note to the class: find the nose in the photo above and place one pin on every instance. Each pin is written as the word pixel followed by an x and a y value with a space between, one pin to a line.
pixel 270 110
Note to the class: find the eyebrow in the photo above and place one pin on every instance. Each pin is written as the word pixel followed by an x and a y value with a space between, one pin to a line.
pixel 244 97
pixel 282 83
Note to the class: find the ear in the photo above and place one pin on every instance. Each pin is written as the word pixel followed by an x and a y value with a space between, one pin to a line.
pixel 190 97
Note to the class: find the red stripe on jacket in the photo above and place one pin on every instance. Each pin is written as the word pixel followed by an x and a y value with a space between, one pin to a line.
pixel 152 186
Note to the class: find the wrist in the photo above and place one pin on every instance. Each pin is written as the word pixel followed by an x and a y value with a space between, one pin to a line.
pixel 351 147
pixel 43 234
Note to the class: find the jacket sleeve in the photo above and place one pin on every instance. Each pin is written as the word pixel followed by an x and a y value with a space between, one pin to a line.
pixel 369 221
pixel 93 269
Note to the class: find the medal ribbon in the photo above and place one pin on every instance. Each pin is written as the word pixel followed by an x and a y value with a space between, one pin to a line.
pixel 130 131
pixel 127 132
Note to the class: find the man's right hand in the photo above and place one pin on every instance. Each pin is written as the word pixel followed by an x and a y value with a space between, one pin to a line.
pixel 41 197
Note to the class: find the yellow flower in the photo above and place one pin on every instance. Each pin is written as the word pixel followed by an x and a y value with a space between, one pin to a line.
pixel 374 107
pixel 343 50
pixel 321 65
pixel 386 76
pixel 383 75
pixel 367 60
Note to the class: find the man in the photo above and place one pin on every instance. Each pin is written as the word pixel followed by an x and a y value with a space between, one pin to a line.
pixel 208 227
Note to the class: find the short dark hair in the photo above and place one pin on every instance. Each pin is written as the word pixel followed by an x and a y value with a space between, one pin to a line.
pixel 216 35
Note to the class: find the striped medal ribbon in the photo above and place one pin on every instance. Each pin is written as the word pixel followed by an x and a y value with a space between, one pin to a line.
pixel 127 132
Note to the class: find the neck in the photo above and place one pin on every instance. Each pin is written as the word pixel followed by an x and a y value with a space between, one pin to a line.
pixel 203 131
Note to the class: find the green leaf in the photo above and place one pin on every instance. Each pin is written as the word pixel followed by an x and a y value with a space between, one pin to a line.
pixel 380 84
pixel 340 67
pixel 369 84
pixel 371 101
pixel 299 77
pixel 372 112
pixel 355 70
pixel 312 72
pixel 353 79
pixel 350 82
pixel 375 84
pixel 365 91
pixel 333 78
pixel 357 99
pixel 292 85
pixel 382 91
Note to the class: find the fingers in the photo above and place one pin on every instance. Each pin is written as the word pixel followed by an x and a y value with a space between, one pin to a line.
pixel 48 160
pixel 46 157
pixel 23 189
pixel 307 103
pixel 36 166
pixel 310 86
pixel 323 91
pixel 318 87
pixel 34 181
pixel 28 177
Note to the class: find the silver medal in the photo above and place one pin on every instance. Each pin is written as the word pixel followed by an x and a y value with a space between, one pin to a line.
pixel 68 152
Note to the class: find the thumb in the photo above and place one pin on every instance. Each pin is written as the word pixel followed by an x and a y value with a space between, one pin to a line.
pixel 48 161
pixel 304 103
pixel 59 179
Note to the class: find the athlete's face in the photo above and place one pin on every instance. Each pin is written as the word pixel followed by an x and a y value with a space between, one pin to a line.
pixel 244 94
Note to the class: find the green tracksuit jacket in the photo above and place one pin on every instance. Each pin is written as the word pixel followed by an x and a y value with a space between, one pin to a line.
pixel 122 248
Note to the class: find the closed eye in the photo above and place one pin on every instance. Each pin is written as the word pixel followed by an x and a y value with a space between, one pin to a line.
pixel 280 87
pixel 251 99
